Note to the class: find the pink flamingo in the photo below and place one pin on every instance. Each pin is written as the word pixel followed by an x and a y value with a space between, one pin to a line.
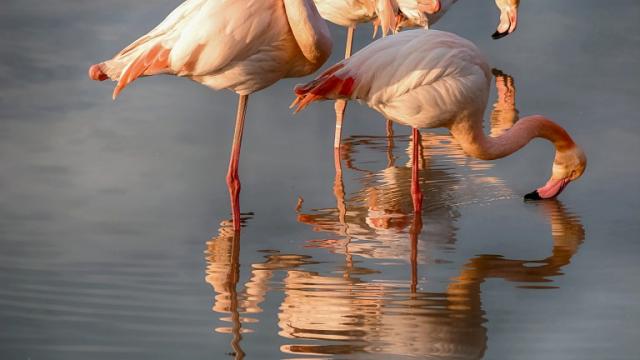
pixel 431 79
pixel 240 45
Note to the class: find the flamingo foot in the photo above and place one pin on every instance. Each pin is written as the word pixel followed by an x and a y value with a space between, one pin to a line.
pixel 244 217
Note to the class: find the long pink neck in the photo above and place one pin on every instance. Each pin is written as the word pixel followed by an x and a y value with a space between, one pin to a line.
pixel 474 142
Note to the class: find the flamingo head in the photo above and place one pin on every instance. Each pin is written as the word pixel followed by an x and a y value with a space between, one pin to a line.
pixel 508 18
pixel 568 166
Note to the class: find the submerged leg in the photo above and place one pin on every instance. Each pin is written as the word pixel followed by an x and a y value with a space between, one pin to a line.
pixel 416 192
pixel 341 105
pixel 233 180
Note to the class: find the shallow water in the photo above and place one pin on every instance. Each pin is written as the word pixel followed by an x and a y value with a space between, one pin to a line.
pixel 113 235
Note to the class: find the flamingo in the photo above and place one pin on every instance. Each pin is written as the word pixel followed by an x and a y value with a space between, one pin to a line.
pixel 432 79
pixel 416 14
pixel 240 45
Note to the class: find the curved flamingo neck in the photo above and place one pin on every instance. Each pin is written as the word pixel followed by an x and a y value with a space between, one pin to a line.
pixel 309 29
pixel 474 142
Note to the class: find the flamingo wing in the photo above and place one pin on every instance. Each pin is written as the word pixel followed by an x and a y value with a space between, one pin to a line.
pixel 412 71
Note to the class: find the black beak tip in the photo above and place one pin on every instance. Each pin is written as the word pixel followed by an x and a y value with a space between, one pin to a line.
pixel 497 35
pixel 533 196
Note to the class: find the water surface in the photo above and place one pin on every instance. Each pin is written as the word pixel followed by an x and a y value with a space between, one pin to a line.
pixel 114 241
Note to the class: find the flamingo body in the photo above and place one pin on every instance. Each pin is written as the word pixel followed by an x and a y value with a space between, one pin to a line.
pixel 241 45
pixel 415 78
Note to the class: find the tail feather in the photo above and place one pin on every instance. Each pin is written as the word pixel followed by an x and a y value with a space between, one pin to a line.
pixel 154 61
pixel 386 11
pixel 326 86
pixel 130 65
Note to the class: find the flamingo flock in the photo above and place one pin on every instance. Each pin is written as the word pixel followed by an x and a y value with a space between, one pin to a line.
pixel 421 78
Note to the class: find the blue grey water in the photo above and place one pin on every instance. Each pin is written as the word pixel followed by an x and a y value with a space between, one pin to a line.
pixel 113 241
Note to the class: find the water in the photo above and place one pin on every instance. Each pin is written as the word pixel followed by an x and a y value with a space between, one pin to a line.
pixel 113 233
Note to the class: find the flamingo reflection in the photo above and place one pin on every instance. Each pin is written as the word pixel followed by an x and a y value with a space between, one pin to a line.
pixel 355 311
pixel 393 318
pixel 223 274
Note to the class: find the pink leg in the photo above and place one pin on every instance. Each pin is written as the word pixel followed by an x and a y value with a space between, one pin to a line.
pixel 338 191
pixel 233 180
pixel 416 192
pixel 341 105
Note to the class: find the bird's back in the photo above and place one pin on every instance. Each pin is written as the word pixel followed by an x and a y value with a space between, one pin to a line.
pixel 418 78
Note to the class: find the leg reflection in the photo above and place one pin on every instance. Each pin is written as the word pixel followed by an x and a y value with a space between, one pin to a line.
pixel 223 273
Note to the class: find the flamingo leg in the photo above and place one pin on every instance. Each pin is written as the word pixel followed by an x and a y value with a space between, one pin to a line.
pixel 341 105
pixel 338 191
pixel 416 192
pixel 389 128
pixel 233 180
pixel 347 51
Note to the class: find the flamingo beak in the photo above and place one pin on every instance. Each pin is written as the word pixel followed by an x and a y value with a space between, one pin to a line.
pixel 550 190
pixel 508 23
